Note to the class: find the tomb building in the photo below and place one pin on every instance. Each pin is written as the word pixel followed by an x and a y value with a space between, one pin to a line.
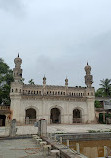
pixel 56 104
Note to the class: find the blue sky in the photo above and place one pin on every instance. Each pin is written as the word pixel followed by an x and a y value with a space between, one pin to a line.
pixel 57 38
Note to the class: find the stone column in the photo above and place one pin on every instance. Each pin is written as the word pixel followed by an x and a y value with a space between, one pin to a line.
pixel 6 120
pixel 27 120
pixel 42 127
pixel 13 128
pixel 104 120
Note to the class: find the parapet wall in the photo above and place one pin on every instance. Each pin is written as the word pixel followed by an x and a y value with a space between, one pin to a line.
pixel 84 136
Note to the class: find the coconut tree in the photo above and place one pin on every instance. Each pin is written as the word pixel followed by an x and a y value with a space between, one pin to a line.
pixel 31 82
pixel 106 86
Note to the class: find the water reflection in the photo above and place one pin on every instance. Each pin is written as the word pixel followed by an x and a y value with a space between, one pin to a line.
pixel 92 149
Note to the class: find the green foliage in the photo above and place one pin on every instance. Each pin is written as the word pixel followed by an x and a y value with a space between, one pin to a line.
pixel 106 86
pixel 99 131
pixel 108 115
pixel 105 90
pixel 3 67
pixel 99 93
pixel 101 118
pixel 31 82
pixel 6 77
pixel 98 104
pixel 93 131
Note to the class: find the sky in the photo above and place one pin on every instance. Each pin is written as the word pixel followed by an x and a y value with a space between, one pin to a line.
pixel 56 38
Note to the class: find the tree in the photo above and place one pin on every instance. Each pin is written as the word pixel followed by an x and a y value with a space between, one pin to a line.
pixel 99 92
pixel 31 82
pixel 106 86
pixel 6 77
pixel 98 104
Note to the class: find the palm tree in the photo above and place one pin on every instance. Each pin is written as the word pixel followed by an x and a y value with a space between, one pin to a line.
pixel 31 82
pixel 106 86
pixel 99 92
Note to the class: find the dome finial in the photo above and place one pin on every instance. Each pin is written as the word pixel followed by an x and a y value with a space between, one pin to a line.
pixel 18 55
pixel 87 62
pixel 44 80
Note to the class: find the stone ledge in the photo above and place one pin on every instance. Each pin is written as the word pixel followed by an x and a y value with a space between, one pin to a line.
pixel 65 152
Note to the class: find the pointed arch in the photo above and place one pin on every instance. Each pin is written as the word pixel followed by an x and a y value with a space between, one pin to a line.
pixel 56 114
pixel 31 113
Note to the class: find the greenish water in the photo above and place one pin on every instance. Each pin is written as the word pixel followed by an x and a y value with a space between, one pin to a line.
pixel 92 149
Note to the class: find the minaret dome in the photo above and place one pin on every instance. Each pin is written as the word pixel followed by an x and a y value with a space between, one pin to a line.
pixel 17 71
pixel 87 69
pixel 88 76
pixel 18 61
pixel 44 80
pixel 66 81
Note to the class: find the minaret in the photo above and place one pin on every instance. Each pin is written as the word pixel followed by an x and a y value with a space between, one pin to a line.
pixel 89 93
pixel 44 80
pixel 66 85
pixel 17 71
pixel 88 76
pixel 44 85
pixel 16 90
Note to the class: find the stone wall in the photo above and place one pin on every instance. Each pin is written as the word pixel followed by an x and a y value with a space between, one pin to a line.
pixel 44 106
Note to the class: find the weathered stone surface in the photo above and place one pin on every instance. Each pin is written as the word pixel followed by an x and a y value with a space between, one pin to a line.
pixel 13 128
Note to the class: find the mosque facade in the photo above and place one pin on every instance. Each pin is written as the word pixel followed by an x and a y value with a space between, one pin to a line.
pixel 56 104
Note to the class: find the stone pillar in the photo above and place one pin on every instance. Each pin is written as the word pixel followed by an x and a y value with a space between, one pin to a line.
pixel 61 140
pixel 42 127
pixel 68 143
pixel 13 128
pixel 105 151
pixel 27 120
pixel 6 120
pixel 77 148
pixel 104 120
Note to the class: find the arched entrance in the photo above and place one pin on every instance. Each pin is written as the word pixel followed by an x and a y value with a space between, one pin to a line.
pixel 2 120
pixel 77 116
pixel 55 115
pixel 30 116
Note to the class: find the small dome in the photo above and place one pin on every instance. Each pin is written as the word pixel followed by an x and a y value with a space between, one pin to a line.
pixel 87 67
pixel 66 80
pixel 44 78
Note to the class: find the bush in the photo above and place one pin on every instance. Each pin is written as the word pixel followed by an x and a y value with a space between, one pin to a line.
pixel 98 104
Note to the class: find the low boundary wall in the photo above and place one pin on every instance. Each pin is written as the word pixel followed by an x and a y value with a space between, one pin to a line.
pixel 84 136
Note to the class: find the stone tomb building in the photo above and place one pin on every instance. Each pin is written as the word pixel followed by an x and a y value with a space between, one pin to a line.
pixel 56 104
